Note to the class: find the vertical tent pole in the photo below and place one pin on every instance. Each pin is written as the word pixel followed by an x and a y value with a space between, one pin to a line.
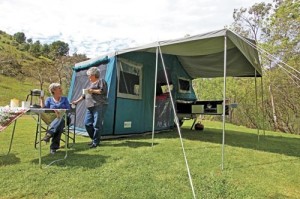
pixel 177 123
pixel 224 99
pixel 262 104
pixel 256 104
pixel 154 97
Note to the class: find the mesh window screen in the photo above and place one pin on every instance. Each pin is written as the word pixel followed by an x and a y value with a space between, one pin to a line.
pixel 184 85
pixel 130 79
pixel 82 81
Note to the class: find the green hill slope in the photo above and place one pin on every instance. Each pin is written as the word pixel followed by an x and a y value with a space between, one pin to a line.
pixel 13 82
pixel 26 65
pixel 14 56
pixel 12 88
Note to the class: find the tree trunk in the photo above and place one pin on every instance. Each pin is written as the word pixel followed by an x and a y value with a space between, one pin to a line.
pixel 273 109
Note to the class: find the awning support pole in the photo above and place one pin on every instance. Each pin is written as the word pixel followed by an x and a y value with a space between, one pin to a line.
pixel 154 97
pixel 262 104
pixel 224 101
pixel 256 104
pixel 177 123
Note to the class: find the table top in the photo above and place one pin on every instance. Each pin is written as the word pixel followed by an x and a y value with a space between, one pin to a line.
pixel 9 114
pixel 46 110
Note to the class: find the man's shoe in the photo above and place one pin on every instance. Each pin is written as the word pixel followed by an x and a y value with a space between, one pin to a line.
pixel 47 137
pixel 90 143
pixel 93 146
pixel 52 151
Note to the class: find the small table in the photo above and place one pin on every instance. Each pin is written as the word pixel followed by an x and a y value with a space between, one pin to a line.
pixel 8 116
pixel 14 113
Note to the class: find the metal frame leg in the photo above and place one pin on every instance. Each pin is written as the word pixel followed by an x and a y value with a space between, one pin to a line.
pixel 36 134
pixel 12 137
pixel 40 140
pixel 66 145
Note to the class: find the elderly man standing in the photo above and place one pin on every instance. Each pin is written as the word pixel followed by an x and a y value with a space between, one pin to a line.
pixel 96 102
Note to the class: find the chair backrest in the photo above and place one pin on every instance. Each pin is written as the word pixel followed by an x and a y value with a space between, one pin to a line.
pixel 47 118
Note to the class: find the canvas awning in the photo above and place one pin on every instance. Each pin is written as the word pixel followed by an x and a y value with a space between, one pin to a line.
pixel 203 55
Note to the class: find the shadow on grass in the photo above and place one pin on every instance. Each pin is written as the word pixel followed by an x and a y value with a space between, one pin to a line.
pixel 9 159
pixel 75 158
pixel 131 144
pixel 268 143
pixel 266 163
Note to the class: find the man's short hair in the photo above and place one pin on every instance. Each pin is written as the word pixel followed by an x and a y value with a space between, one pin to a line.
pixel 93 71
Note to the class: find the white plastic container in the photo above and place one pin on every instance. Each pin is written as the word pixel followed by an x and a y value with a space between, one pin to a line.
pixel 14 103
pixel 25 104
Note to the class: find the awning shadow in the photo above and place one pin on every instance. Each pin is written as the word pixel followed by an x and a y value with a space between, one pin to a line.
pixel 267 143
pixel 130 144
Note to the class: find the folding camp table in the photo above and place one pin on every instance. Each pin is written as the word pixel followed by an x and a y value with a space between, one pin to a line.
pixel 17 113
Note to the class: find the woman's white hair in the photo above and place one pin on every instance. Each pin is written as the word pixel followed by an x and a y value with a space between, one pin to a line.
pixel 53 86
pixel 93 71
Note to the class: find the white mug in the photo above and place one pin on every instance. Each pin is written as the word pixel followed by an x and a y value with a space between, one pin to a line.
pixel 85 91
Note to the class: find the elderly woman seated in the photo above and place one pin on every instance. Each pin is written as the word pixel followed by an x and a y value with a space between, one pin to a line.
pixel 57 101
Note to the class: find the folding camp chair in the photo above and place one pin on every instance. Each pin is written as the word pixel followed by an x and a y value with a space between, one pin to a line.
pixel 71 124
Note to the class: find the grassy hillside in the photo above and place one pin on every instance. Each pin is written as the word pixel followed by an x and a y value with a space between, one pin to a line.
pixel 21 62
pixel 130 168
pixel 12 53
pixel 12 88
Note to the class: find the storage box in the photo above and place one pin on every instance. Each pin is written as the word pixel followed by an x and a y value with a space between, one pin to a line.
pixel 219 109
pixel 197 109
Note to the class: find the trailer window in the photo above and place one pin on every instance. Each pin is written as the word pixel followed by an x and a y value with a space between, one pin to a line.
pixel 184 85
pixel 130 79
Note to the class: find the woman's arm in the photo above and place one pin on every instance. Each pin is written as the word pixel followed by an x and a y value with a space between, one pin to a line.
pixel 95 91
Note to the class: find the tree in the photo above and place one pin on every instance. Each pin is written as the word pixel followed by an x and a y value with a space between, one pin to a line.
pixel 24 47
pixel 41 70
pixel 251 22
pixel 58 49
pixel 20 37
pixel 63 67
pixel 276 30
pixel 35 48
pixel 45 50
pixel 284 82
pixel 29 41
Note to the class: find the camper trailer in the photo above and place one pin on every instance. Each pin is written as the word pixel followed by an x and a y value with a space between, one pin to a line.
pixel 153 78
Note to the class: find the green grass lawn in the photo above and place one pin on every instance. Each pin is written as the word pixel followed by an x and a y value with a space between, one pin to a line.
pixel 130 168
